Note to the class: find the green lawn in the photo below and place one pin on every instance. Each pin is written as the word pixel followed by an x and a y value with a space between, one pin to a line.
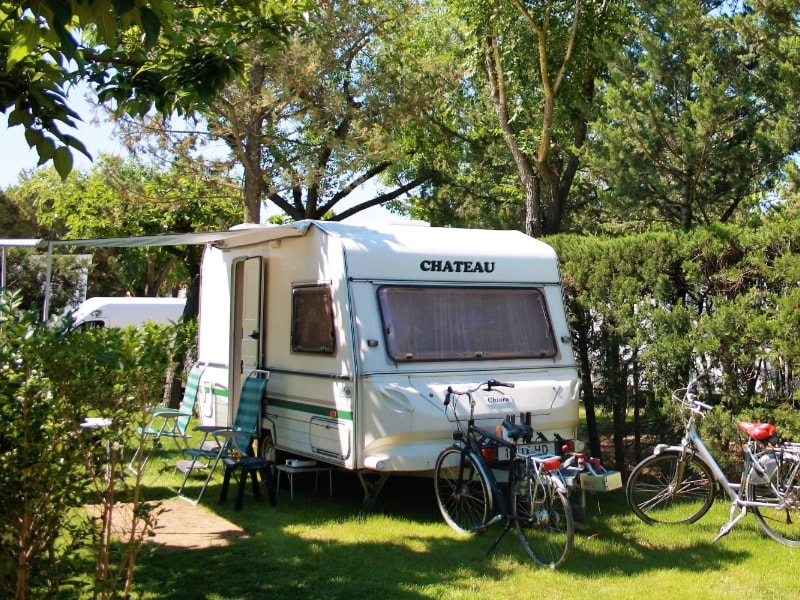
pixel 318 546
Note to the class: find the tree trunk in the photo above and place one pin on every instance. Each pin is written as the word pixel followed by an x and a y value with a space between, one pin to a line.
pixel 173 390
pixel 581 339
pixel 252 145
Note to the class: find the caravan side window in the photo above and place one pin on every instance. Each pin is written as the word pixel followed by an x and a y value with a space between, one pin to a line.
pixel 462 323
pixel 312 319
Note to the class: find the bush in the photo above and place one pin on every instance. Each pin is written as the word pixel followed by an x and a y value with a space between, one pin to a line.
pixel 51 378
pixel 648 311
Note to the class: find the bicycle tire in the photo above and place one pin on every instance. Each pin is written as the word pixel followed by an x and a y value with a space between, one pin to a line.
pixel 543 517
pixel 464 500
pixel 654 497
pixel 782 525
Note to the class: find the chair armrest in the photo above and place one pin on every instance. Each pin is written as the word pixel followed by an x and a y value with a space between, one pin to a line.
pixel 207 429
pixel 167 412
pixel 233 435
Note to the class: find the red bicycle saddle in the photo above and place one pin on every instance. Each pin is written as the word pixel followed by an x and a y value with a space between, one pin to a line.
pixel 758 431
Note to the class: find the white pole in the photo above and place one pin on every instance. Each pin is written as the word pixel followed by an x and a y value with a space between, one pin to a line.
pixel 47 275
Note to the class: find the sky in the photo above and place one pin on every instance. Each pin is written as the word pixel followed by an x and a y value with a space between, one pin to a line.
pixel 16 156
pixel 98 138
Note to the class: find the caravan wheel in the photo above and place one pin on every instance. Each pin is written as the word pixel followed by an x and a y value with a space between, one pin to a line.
pixel 266 447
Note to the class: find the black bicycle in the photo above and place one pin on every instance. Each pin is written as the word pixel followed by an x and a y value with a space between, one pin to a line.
pixel 533 500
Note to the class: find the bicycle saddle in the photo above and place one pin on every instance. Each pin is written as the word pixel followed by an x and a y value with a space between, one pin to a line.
pixel 758 431
pixel 517 431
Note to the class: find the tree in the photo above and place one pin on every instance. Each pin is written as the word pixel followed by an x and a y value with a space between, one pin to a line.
pixel 540 61
pixel 696 125
pixel 314 124
pixel 119 198
pixel 130 51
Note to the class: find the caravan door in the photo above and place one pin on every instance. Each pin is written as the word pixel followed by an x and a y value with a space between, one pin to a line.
pixel 248 334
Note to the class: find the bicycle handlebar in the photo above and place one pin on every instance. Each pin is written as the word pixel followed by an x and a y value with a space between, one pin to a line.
pixel 495 383
pixel 492 383
pixel 694 401
pixel 703 405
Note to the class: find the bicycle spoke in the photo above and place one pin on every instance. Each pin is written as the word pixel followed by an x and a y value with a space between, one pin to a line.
pixel 655 494
pixel 781 523
pixel 461 491
pixel 543 518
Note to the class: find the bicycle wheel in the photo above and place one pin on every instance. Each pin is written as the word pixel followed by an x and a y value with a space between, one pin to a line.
pixel 657 495
pixel 462 491
pixel 543 516
pixel 779 487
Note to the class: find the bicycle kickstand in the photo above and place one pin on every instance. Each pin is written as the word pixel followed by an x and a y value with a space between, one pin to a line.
pixel 506 528
pixel 726 529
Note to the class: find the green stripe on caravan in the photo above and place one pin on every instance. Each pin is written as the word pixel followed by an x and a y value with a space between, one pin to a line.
pixel 311 409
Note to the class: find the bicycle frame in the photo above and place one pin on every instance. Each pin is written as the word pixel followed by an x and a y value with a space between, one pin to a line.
pixel 475 442
pixel 693 445
pixel 533 499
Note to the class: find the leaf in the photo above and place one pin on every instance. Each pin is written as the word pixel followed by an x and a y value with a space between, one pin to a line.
pixel 62 160
pixel 151 25
pixel 17 117
pixel 25 41
pixel 106 27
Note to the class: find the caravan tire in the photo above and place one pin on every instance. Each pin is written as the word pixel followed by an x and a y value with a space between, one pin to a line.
pixel 266 449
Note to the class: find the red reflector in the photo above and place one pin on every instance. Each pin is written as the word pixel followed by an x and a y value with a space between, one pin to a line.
pixel 568 447
pixel 552 464
pixel 490 454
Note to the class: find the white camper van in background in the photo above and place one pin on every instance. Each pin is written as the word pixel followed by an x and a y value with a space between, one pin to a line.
pixel 126 311
pixel 363 328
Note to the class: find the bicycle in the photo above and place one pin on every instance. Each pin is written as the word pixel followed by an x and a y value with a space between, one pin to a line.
pixel 535 498
pixel 678 483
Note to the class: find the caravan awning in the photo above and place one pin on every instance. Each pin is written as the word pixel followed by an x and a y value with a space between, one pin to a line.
pixel 242 235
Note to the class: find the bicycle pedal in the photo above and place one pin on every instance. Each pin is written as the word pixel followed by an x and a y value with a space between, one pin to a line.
pixel 479 529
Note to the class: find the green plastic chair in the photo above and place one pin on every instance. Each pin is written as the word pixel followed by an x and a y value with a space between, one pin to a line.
pixel 170 422
pixel 218 443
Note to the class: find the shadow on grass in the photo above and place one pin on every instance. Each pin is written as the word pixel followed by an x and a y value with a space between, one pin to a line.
pixel 318 546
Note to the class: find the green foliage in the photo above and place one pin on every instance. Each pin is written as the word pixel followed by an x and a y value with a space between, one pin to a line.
pixel 143 54
pixel 647 310
pixel 697 123
pixel 328 116
pixel 38 39
pixel 25 274
pixel 52 378
pixel 120 198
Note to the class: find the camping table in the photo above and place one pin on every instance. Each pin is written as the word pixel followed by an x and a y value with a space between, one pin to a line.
pixel 93 423
pixel 292 471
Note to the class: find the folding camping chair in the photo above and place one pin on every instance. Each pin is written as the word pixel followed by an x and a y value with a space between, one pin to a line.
pixel 170 422
pixel 228 444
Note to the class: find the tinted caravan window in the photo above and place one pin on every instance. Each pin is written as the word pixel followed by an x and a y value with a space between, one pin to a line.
pixel 447 323
pixel 312 319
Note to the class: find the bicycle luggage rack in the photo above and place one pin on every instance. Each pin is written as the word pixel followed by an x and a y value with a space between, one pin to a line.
pixel 589 475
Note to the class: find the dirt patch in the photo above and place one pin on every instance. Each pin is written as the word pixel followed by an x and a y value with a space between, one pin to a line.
pixel 179 526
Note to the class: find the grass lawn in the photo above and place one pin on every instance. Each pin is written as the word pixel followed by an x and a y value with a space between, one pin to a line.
pixel 318 546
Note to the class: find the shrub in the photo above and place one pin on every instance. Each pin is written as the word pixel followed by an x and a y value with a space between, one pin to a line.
pixel 51 378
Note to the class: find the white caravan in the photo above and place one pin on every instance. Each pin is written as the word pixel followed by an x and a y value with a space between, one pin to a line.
pixel 102 311
pixel 363 328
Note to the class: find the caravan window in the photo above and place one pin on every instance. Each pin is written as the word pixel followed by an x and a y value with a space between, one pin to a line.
pixel 458 323
pixel 312 319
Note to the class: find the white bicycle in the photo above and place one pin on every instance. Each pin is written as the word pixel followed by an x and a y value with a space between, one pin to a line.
pixel 678 483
